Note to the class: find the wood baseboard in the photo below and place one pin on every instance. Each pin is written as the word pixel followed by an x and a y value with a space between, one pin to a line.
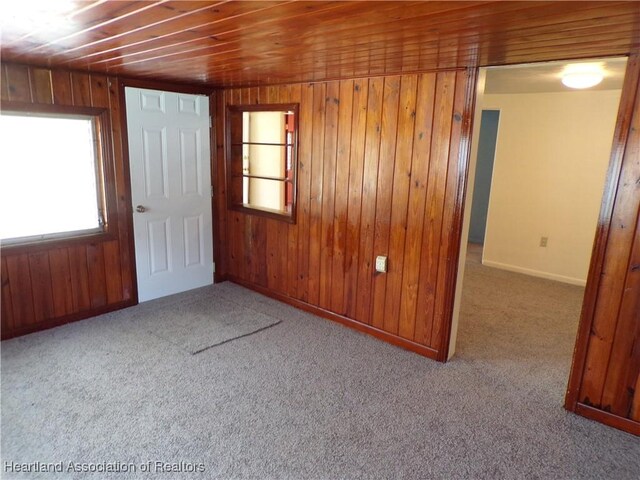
pixel 621 423
pixel 73 317
pixel 219 277
pixel 346 321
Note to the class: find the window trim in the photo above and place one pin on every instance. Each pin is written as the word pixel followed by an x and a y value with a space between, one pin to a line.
pixel 105 180
pixel 250 210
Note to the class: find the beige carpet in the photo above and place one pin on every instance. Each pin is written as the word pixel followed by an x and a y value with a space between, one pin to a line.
pixel 310 399
pixel 200 320
pixel 525 326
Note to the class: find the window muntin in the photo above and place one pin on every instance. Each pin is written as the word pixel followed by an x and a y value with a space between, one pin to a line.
pixel 51 174
pixel 261 153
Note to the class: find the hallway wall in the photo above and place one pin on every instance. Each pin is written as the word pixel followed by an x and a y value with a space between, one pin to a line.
pixel 551 158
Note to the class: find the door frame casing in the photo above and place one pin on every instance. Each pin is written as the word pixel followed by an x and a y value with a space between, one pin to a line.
pixel 453 255
pixel 209 92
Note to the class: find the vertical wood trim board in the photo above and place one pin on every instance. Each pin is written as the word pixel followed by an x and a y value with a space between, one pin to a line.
pixel 48 287
pixel 379 174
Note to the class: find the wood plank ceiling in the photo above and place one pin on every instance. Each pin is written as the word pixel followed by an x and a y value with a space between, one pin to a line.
pixel 232 43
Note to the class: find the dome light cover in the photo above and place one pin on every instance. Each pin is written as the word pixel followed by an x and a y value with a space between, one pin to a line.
pixel 582 75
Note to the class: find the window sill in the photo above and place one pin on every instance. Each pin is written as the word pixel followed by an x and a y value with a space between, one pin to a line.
pixel 273 214
pixel 60 242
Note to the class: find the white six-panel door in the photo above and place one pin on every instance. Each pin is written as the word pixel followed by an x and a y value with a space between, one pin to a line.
pixel 171 190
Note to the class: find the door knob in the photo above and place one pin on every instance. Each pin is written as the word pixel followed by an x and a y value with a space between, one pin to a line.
pixel 141 209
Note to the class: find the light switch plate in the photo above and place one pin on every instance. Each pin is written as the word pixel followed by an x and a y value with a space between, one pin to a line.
pixel 381 264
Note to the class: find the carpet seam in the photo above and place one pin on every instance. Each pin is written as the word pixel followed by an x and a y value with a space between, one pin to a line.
pixel 236 338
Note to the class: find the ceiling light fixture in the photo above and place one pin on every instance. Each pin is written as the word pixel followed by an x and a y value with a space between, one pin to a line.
pixel 582 75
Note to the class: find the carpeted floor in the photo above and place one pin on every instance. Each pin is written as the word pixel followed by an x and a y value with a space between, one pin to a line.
pixel 310 399
pixel 198 320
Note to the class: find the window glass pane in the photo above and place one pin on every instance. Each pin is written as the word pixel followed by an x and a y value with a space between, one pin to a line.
pixel 267 194
pixel 266 160
pixel 265 127
pixel 47 175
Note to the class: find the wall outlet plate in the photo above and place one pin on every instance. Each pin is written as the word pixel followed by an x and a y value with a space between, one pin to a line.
pixel 544 241
pixel 381 264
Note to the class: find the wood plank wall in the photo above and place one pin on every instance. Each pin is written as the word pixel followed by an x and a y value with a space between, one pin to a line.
pixel 381 169
pixel 49 287
pixel 605 380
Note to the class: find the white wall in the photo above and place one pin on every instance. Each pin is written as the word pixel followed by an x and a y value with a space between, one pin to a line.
pixel 551 159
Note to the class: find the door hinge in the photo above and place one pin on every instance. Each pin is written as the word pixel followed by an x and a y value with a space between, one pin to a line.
pixel 211 191
pixel 210 121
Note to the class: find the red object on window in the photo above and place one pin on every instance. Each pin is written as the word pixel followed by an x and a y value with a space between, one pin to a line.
pixel 289 127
